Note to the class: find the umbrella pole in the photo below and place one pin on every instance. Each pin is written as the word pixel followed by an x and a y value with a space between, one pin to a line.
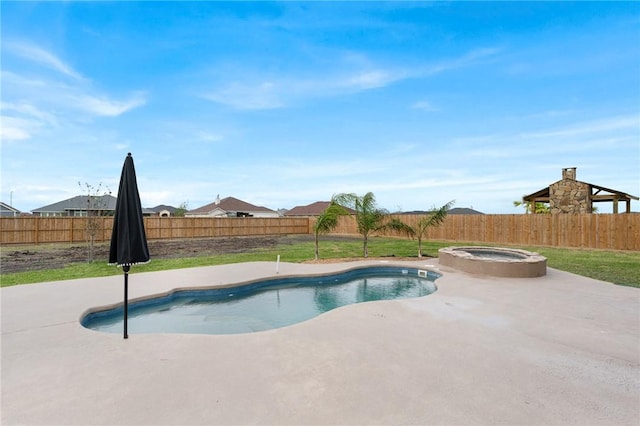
pixel 125 268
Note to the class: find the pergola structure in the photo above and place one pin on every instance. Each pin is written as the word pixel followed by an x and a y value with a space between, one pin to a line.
pixel 572 196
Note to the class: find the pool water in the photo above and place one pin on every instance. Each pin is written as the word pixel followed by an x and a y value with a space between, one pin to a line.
pixel 495 254
pixel 264 305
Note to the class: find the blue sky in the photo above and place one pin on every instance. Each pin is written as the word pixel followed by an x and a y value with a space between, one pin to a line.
pixel 285 104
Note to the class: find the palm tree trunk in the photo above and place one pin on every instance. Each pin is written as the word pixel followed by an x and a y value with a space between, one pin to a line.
pixel 365 247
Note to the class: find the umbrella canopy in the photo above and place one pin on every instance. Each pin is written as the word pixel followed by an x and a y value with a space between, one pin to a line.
pixel 128 239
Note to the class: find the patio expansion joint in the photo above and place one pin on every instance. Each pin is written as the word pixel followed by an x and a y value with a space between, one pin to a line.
pixel 7 333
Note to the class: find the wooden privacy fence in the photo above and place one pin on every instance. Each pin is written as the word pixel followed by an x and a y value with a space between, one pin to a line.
pixel 38 230
pixel 599 231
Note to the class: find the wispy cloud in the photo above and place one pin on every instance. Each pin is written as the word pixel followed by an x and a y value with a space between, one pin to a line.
pixel 102 106
pixel 372 79
pixel 205 136
pixel 67 104
pixel 26 96
pixel 474 57
pixel 273 92
pixel 29 111
pixel 36 54
pixel 590 127
pixel 14 129
pixel 424 106
pixel 12 79
pixel 576 137
pixel 20 121
pixel 248 96
pixel 282 92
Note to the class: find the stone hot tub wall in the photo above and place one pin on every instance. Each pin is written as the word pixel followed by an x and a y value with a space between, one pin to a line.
pixel 531 264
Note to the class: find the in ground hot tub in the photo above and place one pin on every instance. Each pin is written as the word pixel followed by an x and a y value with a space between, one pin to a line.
pixel 494 261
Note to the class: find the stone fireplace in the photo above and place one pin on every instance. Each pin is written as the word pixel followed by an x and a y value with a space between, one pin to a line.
pixel 569 195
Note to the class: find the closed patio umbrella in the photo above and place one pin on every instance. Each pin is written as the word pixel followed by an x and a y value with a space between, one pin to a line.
pixel 128 239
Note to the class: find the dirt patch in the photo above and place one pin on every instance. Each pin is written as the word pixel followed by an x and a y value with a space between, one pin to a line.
pixel 50 256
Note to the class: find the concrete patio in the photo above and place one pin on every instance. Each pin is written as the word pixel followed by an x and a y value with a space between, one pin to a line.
pixel 559 349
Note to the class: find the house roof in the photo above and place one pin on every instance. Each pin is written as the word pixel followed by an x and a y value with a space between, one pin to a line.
pixel 456 210
pixel 463 210
pixel 413 212
pixel 162 207
pixel 7 210
pixel 313 209
pixel 230 204
pixel 542 195
pixel 80 202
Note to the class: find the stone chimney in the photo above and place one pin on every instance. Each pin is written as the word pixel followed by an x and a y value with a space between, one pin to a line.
pixel 569 173
pixel 569 195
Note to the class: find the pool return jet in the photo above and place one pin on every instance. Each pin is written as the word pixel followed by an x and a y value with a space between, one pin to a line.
pixel 128 239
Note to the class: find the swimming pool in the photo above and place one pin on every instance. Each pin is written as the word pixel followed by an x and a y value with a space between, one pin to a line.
pixel 263 305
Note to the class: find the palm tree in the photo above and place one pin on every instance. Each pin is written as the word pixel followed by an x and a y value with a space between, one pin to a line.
pixel 369 217
pixel 434 218
pixel 539 207
pixel 326 222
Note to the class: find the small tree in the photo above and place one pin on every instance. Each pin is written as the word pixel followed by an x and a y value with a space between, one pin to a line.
pixel 97 204
pixel 434 218
pixel 326 222
pixel 182 209
pixel 369 217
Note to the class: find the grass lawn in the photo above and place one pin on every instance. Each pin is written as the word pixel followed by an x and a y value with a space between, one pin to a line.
pixel 617 267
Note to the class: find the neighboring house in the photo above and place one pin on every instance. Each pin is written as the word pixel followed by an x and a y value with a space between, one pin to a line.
pixel 463 210
pixel 569 195
pixel 313 209
pixel 148 212
pixel 7 211
pixel 163 210
pixel 456 210
pixel 231 207
pixel 78 206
